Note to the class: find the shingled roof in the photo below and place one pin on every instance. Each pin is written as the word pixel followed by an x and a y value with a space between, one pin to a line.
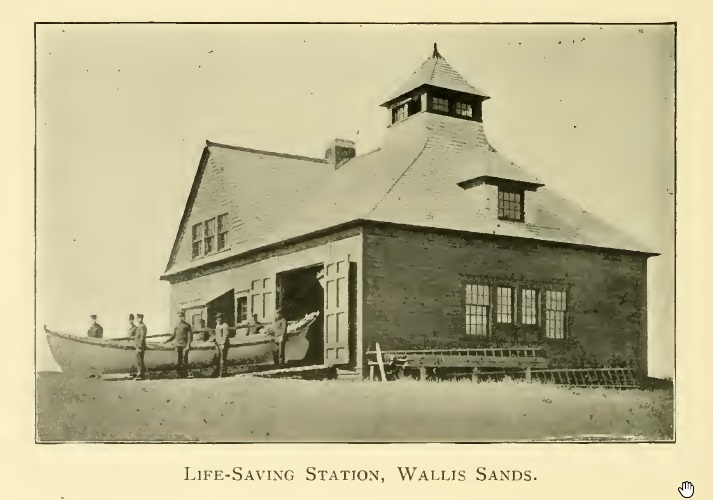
pixel 412 179
pixel 435 71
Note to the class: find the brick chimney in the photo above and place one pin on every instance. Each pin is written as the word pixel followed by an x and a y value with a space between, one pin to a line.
pixel 340 152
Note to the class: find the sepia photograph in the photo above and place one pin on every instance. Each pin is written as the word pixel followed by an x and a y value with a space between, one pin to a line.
pixel 355 233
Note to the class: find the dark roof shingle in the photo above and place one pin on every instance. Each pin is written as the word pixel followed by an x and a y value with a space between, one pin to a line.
pixel 413 179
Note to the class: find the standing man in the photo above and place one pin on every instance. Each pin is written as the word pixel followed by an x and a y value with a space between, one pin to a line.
pixel 95 331
pixel 140 332
pixel 280 332
pixel 132 326
pixel 221 342
pixel 182 341
pixel 132 332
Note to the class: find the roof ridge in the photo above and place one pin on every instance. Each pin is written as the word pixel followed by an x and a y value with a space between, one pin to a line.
pixel 263 152
pixel 433 71
pixel 393 185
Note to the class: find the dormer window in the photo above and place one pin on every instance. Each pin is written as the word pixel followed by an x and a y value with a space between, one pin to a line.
pixel 440 104
pixel 464 109
pixel 511 204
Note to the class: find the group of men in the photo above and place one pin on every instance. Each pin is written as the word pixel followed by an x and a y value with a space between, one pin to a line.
pixel 183 335
pixel 137 333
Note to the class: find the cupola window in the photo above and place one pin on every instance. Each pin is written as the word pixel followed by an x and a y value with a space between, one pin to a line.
pixel 400 113
pixel 440 104
pixel 464 109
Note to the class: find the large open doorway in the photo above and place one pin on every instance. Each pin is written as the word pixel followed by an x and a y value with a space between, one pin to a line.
pixel 225 304
pixel 301 294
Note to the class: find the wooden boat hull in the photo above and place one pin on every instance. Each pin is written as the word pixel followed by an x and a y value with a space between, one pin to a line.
pixel 85 356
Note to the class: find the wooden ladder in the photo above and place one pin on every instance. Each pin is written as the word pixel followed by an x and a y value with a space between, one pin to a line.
pixel 587 377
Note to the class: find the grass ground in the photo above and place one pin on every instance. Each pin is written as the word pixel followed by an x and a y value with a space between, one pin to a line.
pixel 287 410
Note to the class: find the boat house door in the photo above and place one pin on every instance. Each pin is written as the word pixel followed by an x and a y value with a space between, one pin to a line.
pixel 335 281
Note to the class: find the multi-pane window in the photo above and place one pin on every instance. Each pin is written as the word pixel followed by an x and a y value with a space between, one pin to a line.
pixel 510 204
pixel 555 314
pixel 477 308
pixel 241 310
pixel 210 235
pixel 222 231
pixel 400 113
pixel 529 307
pixel 204 235
pixel 197 240
pixel 515 304
pixel 464 109
pixel 440 104
pixel 504 309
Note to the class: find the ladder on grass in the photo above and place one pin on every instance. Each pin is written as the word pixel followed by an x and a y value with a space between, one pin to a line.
pixel 588 377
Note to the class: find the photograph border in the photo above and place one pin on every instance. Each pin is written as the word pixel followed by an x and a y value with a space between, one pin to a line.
pixel 674 24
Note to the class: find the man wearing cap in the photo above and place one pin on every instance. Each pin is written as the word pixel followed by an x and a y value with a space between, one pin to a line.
pixel 132 326
pixel 140 333
pixel 221 342
pixel 95 331
pixel 182 341
pixel 279 330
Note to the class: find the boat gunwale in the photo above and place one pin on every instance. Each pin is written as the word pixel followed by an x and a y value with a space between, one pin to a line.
pixel 125 344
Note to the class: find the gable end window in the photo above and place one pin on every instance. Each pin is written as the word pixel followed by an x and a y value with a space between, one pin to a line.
pixel 222 231
pixel 197 240
pixel 209 236
pixel 511 204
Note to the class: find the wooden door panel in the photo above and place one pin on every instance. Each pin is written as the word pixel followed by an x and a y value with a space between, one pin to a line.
pixel 336 312
pixel 262 299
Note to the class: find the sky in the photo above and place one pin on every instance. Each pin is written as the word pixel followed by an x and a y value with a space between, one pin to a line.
pixel 123 113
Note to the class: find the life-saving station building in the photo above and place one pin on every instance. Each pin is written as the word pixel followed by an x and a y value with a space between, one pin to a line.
pixel 433 242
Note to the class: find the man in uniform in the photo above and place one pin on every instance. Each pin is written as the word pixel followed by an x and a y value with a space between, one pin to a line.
pixel 182 341
pixel 132 326
pixel 221 342
pixel 132 332
pixel 140 332
pixel 95 331
pixel 280 332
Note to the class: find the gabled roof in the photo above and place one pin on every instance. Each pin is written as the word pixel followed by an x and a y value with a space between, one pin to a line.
pixel 435 71
pixel 413 180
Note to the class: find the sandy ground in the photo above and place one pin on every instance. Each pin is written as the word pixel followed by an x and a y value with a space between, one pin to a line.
pixel 286 410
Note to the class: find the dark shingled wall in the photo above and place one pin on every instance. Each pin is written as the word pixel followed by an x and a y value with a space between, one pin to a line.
pixel 414 293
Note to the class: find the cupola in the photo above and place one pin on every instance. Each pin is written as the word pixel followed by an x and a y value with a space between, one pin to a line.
pixel 436 88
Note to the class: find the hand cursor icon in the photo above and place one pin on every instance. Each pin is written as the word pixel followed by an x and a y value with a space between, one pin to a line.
pixel 686 489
